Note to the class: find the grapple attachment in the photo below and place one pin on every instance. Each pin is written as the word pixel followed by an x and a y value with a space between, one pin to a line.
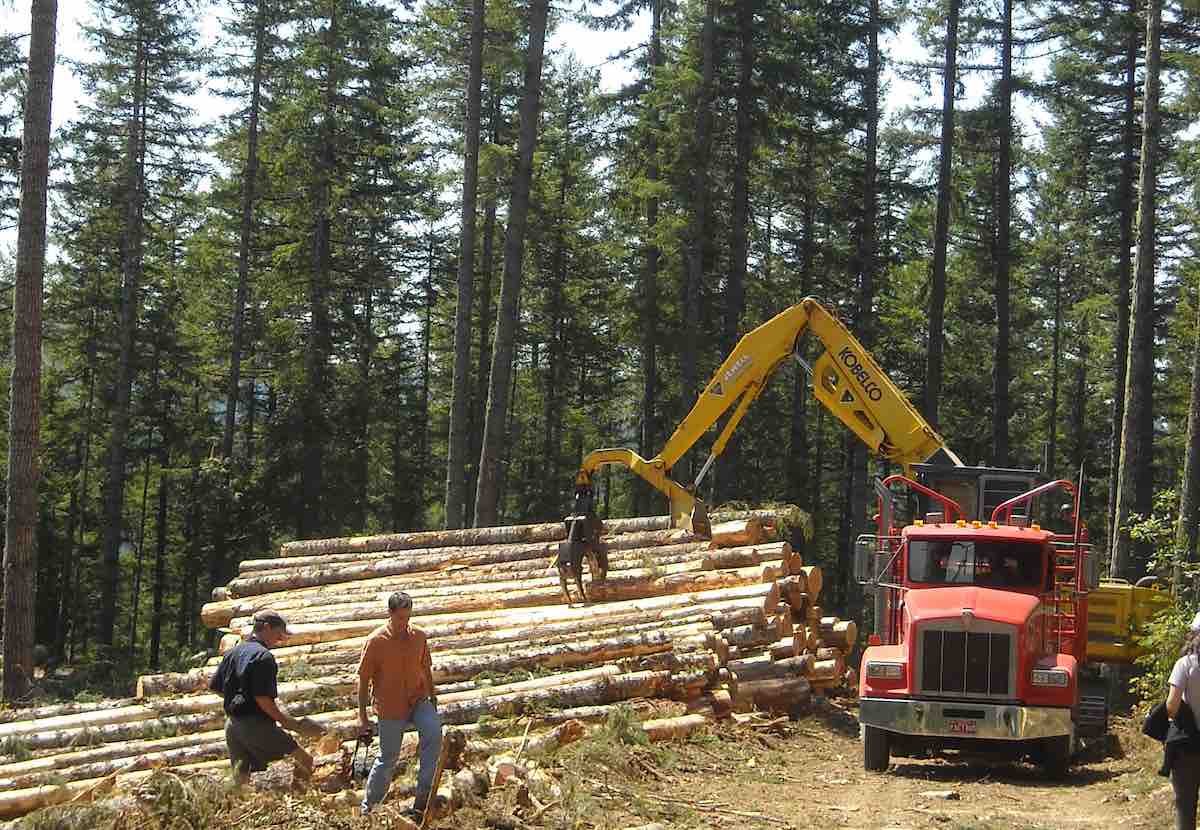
pixel 582 543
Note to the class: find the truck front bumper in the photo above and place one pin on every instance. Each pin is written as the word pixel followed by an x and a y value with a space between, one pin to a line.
pixel 965 719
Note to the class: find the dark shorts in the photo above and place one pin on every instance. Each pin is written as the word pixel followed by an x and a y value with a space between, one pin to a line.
pixel 255 742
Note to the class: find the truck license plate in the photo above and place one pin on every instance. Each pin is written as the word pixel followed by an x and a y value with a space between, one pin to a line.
pixel 962 726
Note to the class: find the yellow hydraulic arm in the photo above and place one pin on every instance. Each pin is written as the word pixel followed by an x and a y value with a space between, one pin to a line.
pixel 846 379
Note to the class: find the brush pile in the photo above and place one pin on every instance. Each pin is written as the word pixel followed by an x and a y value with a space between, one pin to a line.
pixel 726 624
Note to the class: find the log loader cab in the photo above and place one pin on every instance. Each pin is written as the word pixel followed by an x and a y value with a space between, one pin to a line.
pixel 981 639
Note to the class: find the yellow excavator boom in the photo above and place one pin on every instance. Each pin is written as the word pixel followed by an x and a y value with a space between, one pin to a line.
pixel 846 379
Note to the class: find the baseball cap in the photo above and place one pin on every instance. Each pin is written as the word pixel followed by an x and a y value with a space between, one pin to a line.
pixel 273 619
pixel 399 600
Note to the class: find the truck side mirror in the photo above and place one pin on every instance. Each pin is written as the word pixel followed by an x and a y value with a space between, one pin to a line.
pixel 864 560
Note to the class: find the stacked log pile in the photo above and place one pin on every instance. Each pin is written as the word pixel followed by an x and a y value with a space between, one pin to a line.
pixel 731 622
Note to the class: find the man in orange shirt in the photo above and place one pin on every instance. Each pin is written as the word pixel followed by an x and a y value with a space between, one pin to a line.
pixel 395 671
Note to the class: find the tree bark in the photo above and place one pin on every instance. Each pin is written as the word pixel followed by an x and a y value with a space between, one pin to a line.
pixel 460 396
pixel 487 492
pixel 131 271
pixel 865 318
pixel 1002 372
pixel 764 594
pixel 1189 496
pixel 315 432
pixel 1127 209
pixel 24 424
pixel 698 222
pixel 1136 461
pixel 941 231
pixel 729 478
pixel 245 232
pixel 651 253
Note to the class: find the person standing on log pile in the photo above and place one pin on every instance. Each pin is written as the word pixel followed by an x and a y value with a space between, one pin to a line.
pixel 396 671
pixel 248 679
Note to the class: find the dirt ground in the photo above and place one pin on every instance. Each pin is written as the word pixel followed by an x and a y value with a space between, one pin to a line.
pixel 808 773
pixel 772 773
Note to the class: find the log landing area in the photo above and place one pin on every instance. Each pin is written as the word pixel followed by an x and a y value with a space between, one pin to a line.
pixel 724 625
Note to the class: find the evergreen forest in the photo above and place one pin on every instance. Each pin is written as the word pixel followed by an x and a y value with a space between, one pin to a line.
pixel 424 261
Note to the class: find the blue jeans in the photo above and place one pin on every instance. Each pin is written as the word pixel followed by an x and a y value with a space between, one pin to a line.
pixel 428 723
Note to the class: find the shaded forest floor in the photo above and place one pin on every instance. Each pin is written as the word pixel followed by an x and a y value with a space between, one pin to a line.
pixel 774 773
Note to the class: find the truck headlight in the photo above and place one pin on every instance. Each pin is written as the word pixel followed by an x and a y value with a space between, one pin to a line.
pixel 1051 677
pixel 879 670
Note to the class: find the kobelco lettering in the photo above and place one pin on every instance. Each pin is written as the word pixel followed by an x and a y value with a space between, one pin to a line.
pixel 850 360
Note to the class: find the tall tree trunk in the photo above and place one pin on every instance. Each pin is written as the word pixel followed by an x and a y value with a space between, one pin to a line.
pixel 1189 494
pixel 24 423
pixel 422 424
pixel 1002 372
pixel 460 395
pixel 652 253
pixel 191 539
pixel 131 268
pixel 799 474
pixel 1127 208
pixel 366 361
pixel 735 285
pixel 224 514
pixel 1079 400
pixel 487 493
pixel 552 482
pixel 868 245
pixel 245 232
pixel 1137 461
pixel 1055 371
pixel 160 553
pixel 941 231
pixel 483 370
pixel 702 150
pixel 312 515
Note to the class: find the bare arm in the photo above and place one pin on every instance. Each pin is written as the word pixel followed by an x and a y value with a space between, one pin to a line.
pixel 427 667
pixel 272 710
pixel 1174 700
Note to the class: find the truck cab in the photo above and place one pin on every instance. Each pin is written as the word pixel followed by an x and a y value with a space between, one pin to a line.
pixel 980 621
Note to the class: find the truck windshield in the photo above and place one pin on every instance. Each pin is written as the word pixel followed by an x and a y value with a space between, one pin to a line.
pixel 969 562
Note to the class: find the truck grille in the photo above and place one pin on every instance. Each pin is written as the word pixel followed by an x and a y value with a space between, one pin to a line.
pixel 966 662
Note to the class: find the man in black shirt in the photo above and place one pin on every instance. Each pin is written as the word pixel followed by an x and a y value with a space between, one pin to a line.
pixel 247 678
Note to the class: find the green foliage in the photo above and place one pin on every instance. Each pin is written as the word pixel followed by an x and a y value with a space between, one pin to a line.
pixel 1163 636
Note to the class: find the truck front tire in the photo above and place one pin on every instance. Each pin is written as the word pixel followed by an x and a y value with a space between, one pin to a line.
pixel 1055 758
pixel 876 751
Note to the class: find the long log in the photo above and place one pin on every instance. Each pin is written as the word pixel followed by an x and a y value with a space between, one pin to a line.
pixel 417 567
pixel 54 710
pixel 835 633
pixel 613 545
pixel 510 535
pixel 767 669
pixel 47 764
pixel 619 588
pixel 690 560
pixel 748 531
pixel 206 719
pixel 19 802
pixel 663 729
pixel 779 695
pixel 573 635
pixel 206 751
pixel 316 587
pixel 306 633
pixel 787 647
pixel 710 558
pixel 828 669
